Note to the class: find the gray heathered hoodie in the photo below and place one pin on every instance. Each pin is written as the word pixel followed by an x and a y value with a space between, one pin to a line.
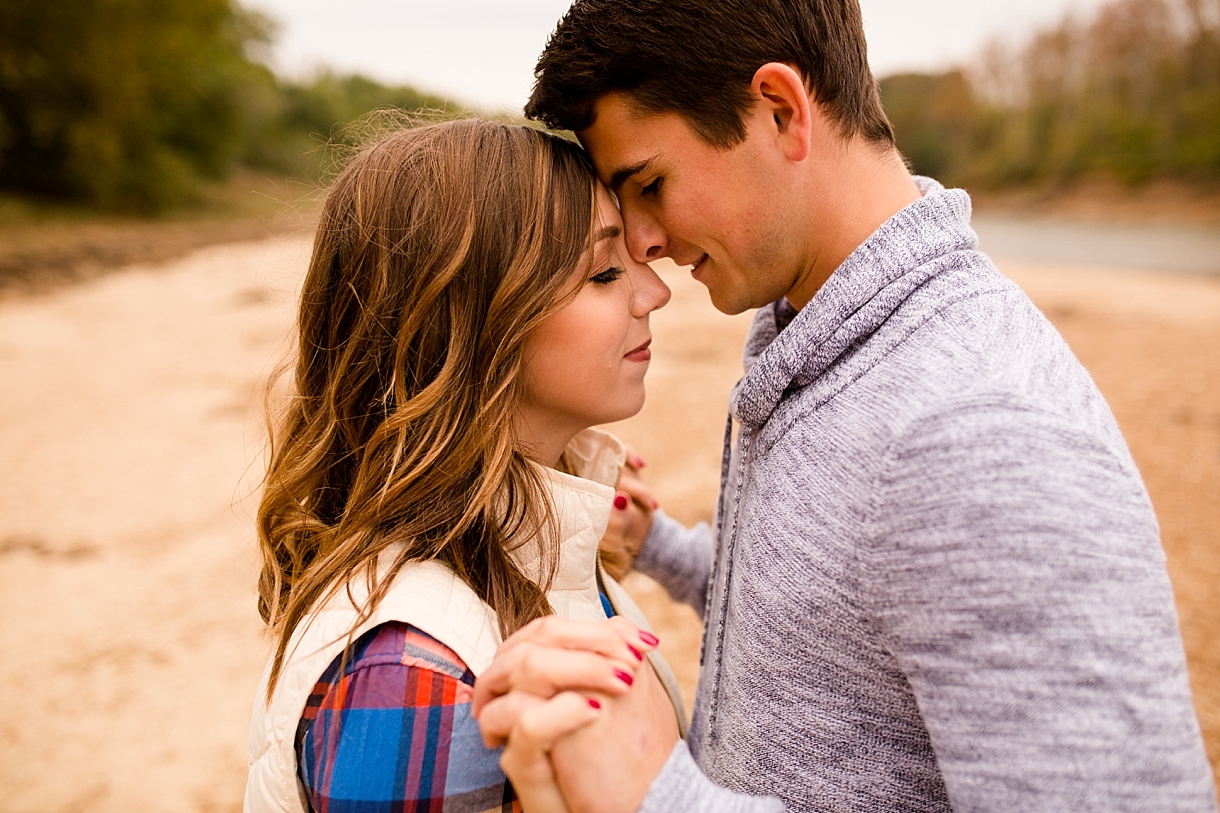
pixel 937 580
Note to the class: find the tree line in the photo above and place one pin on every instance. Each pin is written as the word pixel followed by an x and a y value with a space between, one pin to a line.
pixel 135 104
pixel 1132 93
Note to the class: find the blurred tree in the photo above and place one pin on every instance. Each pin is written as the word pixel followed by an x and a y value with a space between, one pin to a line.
pixel 310 115
pixel 1133 93
pixel 125 103
pixel 934 116
pixel 133 103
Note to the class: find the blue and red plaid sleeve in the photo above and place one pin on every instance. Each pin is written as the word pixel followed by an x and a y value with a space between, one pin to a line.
pixel 390 730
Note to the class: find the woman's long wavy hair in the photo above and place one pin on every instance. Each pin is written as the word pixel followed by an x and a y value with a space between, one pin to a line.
pixel 440 249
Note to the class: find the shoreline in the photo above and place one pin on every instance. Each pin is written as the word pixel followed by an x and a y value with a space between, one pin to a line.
pixel 44 249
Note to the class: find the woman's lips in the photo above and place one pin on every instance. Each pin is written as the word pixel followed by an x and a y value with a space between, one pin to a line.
pixel 641 353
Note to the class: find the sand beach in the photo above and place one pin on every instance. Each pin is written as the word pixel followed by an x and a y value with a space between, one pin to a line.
pixel 132 441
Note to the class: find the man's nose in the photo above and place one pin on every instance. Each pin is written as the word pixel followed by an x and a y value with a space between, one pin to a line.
pixel 646 240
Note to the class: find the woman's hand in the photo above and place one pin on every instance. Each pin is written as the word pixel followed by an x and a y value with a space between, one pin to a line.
pixel 630 519
pixel 551 655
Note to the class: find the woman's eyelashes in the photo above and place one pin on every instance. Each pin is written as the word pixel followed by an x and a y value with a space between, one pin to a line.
pixel 606 277
pixel 652 188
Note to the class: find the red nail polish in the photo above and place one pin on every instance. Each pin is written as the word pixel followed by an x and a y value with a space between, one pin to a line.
pixel 594 703
pixel 639 656
pixel 623 676
pixel 639 462
pixel 620 502
pixel 648 638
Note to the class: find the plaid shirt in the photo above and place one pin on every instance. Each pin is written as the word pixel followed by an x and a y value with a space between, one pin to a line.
pixel 393 732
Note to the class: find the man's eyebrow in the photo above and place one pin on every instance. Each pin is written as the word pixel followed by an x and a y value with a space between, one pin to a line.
pixel 607 232
pixel 620 176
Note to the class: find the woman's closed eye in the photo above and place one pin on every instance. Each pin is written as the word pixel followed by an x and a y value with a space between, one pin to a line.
pixel 606 277
pixel 652 188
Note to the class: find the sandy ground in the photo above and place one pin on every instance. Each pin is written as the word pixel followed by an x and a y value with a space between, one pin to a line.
pixel 131 441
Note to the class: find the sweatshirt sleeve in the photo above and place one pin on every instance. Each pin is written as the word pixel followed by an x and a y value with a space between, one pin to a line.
pixel 679 558
pixel 682 788
pixel 1021 586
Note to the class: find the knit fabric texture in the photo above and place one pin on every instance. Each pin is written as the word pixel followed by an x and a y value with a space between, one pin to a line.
pixel 935 581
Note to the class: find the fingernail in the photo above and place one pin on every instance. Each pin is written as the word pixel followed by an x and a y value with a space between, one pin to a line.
pixel 655 505
pixel 620 502
pixel 648 638
pixel 623 676
pixel 639 462
pixel 639 656
pixel 594 703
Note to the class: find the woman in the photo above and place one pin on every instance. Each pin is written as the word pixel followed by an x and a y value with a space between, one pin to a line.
pixel 470 311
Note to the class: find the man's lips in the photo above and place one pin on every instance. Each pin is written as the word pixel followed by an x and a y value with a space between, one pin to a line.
pixel 641 353
pixel 694 271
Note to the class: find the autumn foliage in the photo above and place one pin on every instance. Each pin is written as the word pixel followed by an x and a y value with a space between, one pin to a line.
pixel 1132 94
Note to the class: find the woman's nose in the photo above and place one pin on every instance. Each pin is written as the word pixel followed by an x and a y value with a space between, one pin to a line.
pixel 651 292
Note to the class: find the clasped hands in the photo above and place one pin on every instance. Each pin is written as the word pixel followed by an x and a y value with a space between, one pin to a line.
pixel 585 723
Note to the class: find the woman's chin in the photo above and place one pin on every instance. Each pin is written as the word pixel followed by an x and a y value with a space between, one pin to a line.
pixel 629 407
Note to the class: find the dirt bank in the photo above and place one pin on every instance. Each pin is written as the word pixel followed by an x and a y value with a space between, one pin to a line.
pixel 44 246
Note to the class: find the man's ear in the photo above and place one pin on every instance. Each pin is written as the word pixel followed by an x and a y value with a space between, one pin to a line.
pixel 783 98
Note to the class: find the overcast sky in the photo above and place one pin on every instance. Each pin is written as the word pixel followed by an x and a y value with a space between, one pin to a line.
pixel 483 51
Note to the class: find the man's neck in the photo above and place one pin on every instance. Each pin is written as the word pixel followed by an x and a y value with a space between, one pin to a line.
pixel 850 197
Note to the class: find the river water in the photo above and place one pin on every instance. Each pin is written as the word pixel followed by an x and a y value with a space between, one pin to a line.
pixel 1182 249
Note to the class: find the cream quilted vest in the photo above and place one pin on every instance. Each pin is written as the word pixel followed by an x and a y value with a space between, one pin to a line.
pixel 429 596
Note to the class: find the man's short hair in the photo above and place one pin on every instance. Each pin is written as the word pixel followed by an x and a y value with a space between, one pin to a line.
pixel 698 58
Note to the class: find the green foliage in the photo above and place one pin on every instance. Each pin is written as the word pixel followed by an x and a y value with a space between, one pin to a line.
pixel 135 104
pixel 311 115
pixel 123 102
pixel 1133 94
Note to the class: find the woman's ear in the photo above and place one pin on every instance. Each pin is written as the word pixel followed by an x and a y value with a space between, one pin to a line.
pixel 785 101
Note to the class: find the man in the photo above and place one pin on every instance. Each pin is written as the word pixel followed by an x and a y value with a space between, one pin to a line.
pixel 935 581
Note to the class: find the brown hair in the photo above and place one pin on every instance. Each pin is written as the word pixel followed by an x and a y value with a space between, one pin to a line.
pixel 440 249
pixel 698 58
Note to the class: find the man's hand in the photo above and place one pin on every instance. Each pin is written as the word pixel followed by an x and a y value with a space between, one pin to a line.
pixel 609 765
pixel 606 766
pixel 538 726
pixel 630 520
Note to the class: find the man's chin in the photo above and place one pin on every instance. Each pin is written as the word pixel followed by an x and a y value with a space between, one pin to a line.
pixel 729 303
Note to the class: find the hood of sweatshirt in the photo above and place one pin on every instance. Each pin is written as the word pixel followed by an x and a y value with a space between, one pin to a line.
pixel 860 296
